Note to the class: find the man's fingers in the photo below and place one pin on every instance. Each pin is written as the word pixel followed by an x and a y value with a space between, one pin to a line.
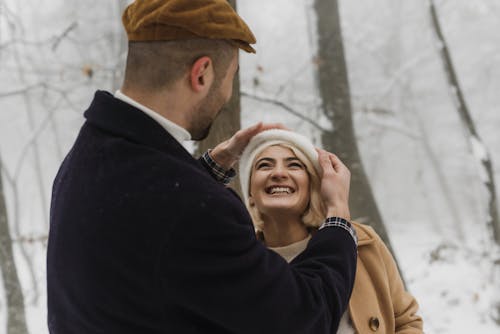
pixel 331 163
pixel 228 152
pixel 324 161
pixel 243 136
pixel 252 130
pixel 338 165
pixel 270 126
pixel 336 162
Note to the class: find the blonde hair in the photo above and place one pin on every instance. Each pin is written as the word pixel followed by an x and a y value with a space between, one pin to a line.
pixel 315 212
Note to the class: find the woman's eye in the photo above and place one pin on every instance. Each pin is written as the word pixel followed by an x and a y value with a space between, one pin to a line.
pixel 263 165
pixel 296 165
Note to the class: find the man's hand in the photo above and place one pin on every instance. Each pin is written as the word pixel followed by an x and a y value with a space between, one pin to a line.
pixel 335 183
pixel 227 153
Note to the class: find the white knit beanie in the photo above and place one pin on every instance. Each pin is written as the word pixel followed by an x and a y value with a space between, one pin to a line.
pixel 268 138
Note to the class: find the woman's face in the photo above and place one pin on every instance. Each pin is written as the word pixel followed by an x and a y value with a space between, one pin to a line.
pixel 279 182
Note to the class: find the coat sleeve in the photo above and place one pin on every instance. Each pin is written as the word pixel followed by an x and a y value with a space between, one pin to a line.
pixel 407 321
pixel 215 271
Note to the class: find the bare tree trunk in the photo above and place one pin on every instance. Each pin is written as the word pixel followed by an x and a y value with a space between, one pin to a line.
pixel 121 51
pixel 479 150
pixel 227 123
pixel 16 320
pixel 334 90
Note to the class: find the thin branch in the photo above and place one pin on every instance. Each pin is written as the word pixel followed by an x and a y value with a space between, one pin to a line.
pixel 54 40
pixel 286 108
pixel 46 86
pixel 297 74
pixel 36 151
pixel 401 73
pixel 62 36
pixel 33 139
pixel 3 168
pixel 401 129
pixel 21 90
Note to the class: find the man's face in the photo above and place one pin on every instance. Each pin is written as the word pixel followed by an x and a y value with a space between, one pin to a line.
pixel 210 107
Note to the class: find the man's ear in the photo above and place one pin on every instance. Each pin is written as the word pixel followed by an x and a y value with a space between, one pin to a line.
pixel 202 74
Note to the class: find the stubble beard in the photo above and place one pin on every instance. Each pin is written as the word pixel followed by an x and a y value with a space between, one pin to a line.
pixel 204 111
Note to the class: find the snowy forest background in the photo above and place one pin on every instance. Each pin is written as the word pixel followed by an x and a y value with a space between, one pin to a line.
pixel 426 165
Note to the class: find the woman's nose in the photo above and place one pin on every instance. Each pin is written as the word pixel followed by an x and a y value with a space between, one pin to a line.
pixel 279 172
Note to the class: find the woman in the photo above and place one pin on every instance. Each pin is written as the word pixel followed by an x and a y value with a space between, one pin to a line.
pixel 281 188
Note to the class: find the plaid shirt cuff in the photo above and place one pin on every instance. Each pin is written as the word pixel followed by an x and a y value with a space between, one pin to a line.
pixel 342 223
pixel 218 172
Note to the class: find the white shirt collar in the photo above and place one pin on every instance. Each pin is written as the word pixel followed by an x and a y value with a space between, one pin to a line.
pixel 179 133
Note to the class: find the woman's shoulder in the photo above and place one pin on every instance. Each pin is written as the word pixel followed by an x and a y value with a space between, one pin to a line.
pixel 368 237
pixel 366 234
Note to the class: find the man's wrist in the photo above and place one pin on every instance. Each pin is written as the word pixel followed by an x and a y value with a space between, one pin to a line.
pixel 222 159
pixel 342 212
pixel 218 172
pixel 339 222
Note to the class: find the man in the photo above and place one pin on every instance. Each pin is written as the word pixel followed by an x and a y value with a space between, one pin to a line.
pixel 146 239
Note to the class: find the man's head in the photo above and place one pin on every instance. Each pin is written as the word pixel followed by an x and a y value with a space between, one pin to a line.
pixel 157 65
pixel 186 47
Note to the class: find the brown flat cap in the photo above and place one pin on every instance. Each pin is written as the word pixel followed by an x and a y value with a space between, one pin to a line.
pixel 166 20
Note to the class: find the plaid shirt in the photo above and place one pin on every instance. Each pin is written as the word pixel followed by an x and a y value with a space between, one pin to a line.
pixel 342 223
pixel 217 171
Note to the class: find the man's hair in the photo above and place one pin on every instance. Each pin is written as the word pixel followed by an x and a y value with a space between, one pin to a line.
pixel 156 65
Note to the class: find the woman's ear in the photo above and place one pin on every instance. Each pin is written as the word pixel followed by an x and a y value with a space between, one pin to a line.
pixel 202 74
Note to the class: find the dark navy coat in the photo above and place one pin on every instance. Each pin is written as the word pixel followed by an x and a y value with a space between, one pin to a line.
pixel 143 240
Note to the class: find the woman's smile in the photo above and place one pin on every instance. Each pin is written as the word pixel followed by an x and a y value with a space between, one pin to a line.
pixel 279 190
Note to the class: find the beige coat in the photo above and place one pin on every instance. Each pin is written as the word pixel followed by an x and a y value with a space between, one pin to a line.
pixel 379 301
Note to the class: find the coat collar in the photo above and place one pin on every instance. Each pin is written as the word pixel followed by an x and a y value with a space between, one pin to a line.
pixel 365 234
pixel 175 130
pixel 123 119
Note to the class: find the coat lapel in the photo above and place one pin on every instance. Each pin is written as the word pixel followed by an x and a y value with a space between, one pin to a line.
pixel 124 120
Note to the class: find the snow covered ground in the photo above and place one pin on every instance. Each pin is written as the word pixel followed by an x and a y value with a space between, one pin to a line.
pixel 453 285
